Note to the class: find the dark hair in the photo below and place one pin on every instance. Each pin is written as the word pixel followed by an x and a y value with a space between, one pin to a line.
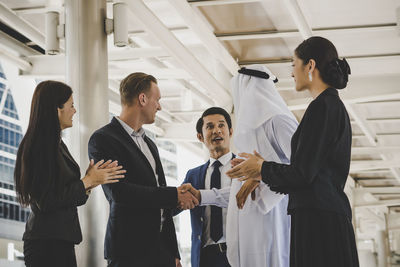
pixel 133 85
pixel 212 111
pixel 333 71
pixel 36 164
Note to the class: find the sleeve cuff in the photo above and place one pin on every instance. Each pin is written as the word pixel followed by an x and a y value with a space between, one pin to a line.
pixel 168 197
pixel 82 194
pixel 207 197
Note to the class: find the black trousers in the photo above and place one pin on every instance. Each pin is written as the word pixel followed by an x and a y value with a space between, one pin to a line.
pixel 211 256
pixel 49 252
pixel 322 238
pixel 165 259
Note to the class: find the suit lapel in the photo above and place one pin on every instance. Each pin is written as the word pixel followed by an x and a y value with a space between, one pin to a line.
pixel 159 170
pixel 202 175
pixel 129 140
pixel 201 181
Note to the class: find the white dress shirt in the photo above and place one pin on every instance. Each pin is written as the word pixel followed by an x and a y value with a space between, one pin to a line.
pixel 225 185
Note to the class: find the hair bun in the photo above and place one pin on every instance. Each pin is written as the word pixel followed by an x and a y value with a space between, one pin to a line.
pixel 336 73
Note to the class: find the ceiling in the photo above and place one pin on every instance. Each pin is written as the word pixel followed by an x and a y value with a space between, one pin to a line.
pixel 194 48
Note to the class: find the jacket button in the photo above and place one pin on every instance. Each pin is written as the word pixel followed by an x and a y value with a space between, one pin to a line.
pixel 199 237
pixel 201 219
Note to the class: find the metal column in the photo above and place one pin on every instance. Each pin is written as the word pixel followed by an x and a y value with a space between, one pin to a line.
pixel 86 73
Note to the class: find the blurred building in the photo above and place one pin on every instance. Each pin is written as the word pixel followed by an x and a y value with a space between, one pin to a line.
pixel 12 215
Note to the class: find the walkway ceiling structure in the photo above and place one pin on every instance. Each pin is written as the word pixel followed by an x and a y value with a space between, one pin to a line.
pixel 194 47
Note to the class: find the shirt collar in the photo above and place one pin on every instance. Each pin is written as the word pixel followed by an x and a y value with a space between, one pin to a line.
pixel 129 129
pixel 225 159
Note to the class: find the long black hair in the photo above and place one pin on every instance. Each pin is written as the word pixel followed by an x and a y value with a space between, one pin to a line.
pixel 333 71
pixel 36 164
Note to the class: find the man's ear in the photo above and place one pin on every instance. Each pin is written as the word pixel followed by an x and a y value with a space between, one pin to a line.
pixel 200 137
pixel 230 132
pixel 142 99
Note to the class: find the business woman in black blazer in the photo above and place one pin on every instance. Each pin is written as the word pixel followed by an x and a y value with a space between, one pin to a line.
pixel 48 179
pixel 321 230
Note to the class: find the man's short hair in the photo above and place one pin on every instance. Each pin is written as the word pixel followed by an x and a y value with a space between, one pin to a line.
pixel 212 111
pixel 133 85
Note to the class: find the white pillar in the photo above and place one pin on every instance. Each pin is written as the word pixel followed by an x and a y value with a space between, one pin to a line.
pixel 396 241
pixel 382 248
pixel 86 73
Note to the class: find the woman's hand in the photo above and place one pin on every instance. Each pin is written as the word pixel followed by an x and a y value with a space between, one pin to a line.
pixel 248 168
pixel 102 173
pixel 109 164
pixel 236 161
pixel 248 187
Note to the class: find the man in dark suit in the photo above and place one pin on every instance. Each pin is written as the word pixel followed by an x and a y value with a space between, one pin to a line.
pixel 211 186
pixel 140 230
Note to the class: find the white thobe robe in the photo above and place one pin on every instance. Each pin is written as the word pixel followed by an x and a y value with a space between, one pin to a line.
pixel 259 234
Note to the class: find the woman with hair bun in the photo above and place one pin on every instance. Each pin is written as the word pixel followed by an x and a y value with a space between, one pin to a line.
pixel 321 230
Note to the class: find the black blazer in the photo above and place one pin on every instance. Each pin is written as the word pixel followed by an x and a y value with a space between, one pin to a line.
pixel 56 217
pixel 133 228
pixel 320 158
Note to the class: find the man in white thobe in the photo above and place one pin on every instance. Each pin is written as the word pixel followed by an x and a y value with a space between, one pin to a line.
pixel 259 234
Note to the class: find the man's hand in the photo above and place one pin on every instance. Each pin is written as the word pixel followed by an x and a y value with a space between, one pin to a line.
pixel 191 189
pixel 248 187
pixel 178 262
pixel 186 200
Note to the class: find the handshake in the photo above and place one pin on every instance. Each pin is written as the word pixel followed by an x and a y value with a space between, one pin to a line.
pixel 188 197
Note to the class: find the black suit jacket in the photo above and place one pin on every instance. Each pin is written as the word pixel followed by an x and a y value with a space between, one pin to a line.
pixel 133 228
pixel 56 216
pixel 320 159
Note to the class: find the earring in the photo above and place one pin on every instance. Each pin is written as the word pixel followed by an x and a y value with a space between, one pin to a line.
pixel 309 76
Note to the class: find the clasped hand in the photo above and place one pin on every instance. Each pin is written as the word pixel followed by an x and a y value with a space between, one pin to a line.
pixel 248 170
pixel 188 197
pixel 103 172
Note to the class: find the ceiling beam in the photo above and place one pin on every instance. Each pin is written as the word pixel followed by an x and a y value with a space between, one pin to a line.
pixel 219 2
pixel 15 45
pixel 369 134
pixel 30 10
pixel 205 34
pixel 382 190
pixel 359 165
pixel 375 150
pixel 364 199
pixel 377 204
pixel 185 58
pixel 14 60
pixel 52 67
pixel 144 52
pixel 19 24
pixel 294 33
pixel 298 18
pixel 362 123
pixel 362 89
pixel 136 53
